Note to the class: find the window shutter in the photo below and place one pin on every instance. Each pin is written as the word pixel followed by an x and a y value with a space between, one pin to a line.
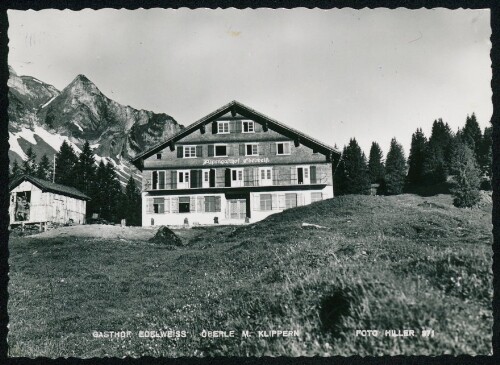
pixel 276 176
pixel 167 205
pixel 300 200
pixel 200 206
pixel 286 148
pixel 273 148
pixel 212 178
pixel 199 151
pixel 210 150
pixel 257 127
pixel 149 205
pixel 246 177
pixel 180 151
pixel 168 180
pixel 214 127
pixel 242 149
pixel 256 202
pixel 194 178
pixel 238 126
pixel 312 171
pixel 192 204
pixel 256 177
pixel 230 150
pixel 217 203
pixel 173 179
pixel 281 201
pixel 161 180
pixel 174 204
pixel 154 180
pixel 274 201
pixel 250 176
pixel 293 175
pixel 228 177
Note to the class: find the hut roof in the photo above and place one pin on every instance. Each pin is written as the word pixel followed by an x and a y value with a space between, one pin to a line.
pixel 45 185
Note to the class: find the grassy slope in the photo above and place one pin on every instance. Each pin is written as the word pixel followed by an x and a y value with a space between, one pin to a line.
pixel 360 273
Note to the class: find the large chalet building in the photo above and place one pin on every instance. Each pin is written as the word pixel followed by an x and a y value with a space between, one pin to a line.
pixel 234 165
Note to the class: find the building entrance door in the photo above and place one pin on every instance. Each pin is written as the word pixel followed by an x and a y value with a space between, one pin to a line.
pixel 237 208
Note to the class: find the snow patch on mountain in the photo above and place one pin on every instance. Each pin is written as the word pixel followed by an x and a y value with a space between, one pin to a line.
pixel 48 102
pixel 78 126
pixel 15 147
pixel 27 134
pixel 55 140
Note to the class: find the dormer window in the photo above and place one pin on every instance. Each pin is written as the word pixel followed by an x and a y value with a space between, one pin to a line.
pixel 223 127
pixel 248 126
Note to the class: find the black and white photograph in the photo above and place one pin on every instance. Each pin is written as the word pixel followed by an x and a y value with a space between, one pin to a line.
pixel 250 182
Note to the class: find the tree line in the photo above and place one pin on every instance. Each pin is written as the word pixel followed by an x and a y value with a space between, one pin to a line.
pixel 460 163
pixel 98 181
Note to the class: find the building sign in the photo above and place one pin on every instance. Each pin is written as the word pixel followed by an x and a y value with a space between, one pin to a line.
pixel 236 161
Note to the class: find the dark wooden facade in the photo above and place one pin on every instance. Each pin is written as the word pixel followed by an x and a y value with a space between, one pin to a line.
pixel 234 153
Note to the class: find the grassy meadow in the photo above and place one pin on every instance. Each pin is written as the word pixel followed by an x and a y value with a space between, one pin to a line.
pixel 381 263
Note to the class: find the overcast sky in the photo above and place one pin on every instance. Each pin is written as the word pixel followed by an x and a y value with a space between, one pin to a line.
pixel 334 74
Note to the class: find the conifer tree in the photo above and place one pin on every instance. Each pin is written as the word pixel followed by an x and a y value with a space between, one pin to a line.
pixel 485 155
pixel 352 173
pixel 376 164
pixel 437 162
pixel 29 165
pixel 132 202
pixel 44 170
pixel 16 170
pixel 106 192
pixel 395 169
pixel 85 169
pixel 471 134
pixel 466 175
pixel 66 160
pixel 417 158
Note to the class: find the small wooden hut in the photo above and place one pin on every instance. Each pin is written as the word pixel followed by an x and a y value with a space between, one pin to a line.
pixel 34 200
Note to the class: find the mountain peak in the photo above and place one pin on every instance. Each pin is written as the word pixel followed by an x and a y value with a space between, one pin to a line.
pixel 82 78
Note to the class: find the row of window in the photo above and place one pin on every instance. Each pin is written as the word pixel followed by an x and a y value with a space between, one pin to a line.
pixel 184 204
pixel 246 126
pixel 212 204
pixel 234 177
pixel 285 201
pixel 223 150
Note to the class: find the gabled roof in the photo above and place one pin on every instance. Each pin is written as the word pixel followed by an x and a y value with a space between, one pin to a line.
pixel 236 107
pixel 45 185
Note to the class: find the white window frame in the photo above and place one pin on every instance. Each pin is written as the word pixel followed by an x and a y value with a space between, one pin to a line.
pixel 221 144
pixel 222 124
pixel 191 148
pixel 250 123
pixel 184 184
pixel 307 171
pixel 252 144
pixel 283 143
pixel 240 177
pixel 268 176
